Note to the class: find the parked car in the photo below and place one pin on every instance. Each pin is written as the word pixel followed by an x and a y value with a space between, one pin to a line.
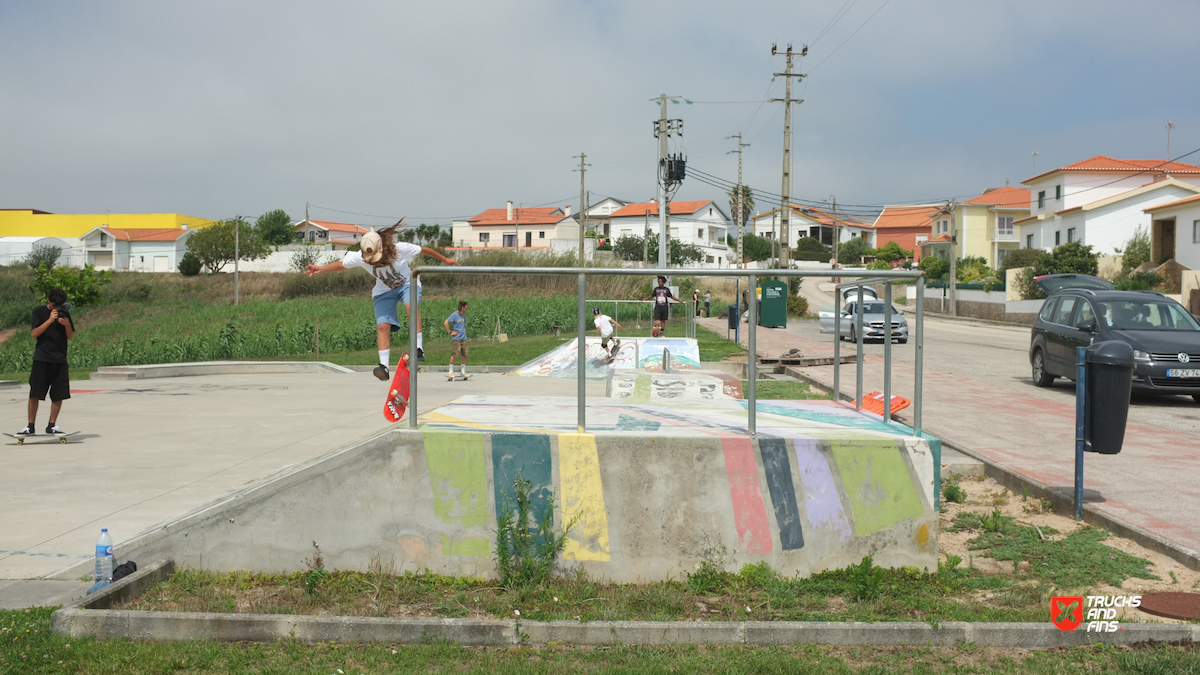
pixel 873 318
pixel 1082 309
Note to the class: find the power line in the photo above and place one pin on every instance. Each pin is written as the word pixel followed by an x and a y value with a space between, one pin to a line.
pixel 885 2
pixel 837 16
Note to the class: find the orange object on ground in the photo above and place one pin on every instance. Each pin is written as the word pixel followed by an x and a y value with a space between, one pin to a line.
pixel 873 402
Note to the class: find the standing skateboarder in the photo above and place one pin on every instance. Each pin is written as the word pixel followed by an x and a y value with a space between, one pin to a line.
pixel 51 327
pixel 386 259
pixel 661 295
pixel 456 326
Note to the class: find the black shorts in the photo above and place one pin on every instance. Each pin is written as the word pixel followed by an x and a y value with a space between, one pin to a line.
pixel 662 312
pixel 49 377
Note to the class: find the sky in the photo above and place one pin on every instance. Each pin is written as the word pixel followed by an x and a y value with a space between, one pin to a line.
pixel 367 110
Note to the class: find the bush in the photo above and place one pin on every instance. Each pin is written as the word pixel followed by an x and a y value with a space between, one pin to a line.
pixel 1026 285
pixel 1073 258
pixel 81 286
pixel 851 252
pixel 1138 281
pixel 524 554
pixel 892 252
pixel 879 265
pixel 934 267
pixel 812 245
pixel 797 305
pixel 1136 251
pixel 189 264
pixel 306 256
pixel 971 268
pixel 43 255
pixel 1026 257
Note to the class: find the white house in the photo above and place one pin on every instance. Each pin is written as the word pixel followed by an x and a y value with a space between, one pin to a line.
pixel 14 250
pixel 599 215
pixel 700 222
pixel 807 221
pixel 517 228
pixel 136 250
pixel 1175 232
pixel 329 232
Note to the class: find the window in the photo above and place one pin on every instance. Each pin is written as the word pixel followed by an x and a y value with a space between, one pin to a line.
pixel 1070 234
pixel 485 237
pixel 509 240
pixel 541 235
pixel 943 226
pixel 1048 309
pixel 700 233
pixel 1004 226
pixel 710 213
pixel 1085 313
pixel 103 240
pixel 1062 315
pixel 1196 231
pixel 1057 237
pixel 1058 192
pixel 708 258
pixel 1000 255
pixel 1029 241
pixel 1042 199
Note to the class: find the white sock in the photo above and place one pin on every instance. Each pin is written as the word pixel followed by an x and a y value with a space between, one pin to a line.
pixel 384 355
pixel 451 371
pixel 420 340
pixel 463 369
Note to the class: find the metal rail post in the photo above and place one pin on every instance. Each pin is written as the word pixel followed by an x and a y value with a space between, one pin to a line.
pixel 1080 424
pixel 752 359
pixel 413 310
pixel 581 356
pixel 919 357
pixel 887 353
pixel 858 359
pixel 837 343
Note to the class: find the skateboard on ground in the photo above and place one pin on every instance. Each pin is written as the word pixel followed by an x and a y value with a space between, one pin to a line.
pixel 461 376
pixel 62 438
pixel 397 400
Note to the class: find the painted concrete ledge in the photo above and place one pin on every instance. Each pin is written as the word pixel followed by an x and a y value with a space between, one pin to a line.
pixel 91 617
pixel 156 370
pixel 1062 502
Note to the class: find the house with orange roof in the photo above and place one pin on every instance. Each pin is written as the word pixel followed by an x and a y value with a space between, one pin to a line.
pixel 700 222
pixel 1101 201
pixel 157 249
pixel 910 226
pixel 810 221
pixel 518 228
pixel 985 226
pixel 329 232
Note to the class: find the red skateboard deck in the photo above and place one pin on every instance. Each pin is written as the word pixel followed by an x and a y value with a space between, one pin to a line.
pixel 397 400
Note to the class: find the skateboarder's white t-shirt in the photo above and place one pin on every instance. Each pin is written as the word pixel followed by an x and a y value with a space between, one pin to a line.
pixel 604 323
pixel 387 277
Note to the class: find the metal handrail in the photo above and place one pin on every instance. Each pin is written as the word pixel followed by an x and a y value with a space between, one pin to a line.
pixel 752 360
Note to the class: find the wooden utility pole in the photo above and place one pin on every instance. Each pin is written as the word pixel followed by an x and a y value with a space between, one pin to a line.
pixel 787 100
pixel 663 128
pixel 583 165
pixel 738 206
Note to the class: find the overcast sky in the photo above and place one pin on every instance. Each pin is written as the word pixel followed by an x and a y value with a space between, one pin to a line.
pixel 438 110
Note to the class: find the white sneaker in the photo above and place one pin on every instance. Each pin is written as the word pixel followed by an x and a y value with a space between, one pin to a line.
pixel 53 430
pixel 27 431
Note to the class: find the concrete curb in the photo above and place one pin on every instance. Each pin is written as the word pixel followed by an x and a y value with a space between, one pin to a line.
pixel 156 370
pixel 91 617
pixel 4 384
pixel 428 368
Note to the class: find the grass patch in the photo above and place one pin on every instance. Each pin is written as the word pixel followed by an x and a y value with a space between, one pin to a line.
pixel 860 592
pixel 952 491
pixel 1078 560
pixel 783 390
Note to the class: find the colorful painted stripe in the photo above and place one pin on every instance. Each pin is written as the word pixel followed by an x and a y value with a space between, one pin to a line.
pixel 458 478
pixel 822 504
pixel 783 491
pixel 582 498
pixel 526 456
pixel 877 483
pixel 749 512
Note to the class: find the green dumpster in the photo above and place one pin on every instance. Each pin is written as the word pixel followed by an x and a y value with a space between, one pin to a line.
pixel 773 308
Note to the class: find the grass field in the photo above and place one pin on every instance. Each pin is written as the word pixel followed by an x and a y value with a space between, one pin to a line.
pixel 783 389
pixel 27 646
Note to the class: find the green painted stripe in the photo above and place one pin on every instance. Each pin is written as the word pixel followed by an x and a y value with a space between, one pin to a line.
pixel 641 387
pixel 877 483
pixel 458 476
pixel 475 547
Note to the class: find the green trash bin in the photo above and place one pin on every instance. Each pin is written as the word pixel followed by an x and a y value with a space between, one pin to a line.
pixel 773 308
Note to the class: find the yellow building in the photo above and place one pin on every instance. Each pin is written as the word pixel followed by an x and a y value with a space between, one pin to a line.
pixel 34 223
pixel 984 226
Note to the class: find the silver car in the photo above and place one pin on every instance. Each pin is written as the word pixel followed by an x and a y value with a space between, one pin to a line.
pixel 873 318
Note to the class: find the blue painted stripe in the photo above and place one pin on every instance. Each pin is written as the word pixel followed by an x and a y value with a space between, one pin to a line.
pixel 526 456
pixel 783 491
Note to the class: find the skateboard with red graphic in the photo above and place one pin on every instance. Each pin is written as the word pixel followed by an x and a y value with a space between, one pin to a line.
pixel 397 400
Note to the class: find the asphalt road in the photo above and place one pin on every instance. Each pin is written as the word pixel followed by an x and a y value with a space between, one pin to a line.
pixel 998 356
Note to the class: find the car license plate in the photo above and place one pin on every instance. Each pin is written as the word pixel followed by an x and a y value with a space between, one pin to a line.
pixel 1183 372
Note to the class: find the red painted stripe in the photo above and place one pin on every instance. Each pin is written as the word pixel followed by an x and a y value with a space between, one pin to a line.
pixel 749 510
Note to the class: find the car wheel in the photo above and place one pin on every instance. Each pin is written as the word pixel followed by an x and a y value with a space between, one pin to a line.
pixel 1041 378
pixel 853 338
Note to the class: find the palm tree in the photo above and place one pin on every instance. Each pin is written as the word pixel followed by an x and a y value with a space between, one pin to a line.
pixel 739 219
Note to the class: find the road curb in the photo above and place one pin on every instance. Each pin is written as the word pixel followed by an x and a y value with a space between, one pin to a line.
pixel 157 370
pixel 92 616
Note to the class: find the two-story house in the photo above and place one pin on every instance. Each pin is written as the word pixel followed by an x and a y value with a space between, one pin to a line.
pixel 599 215
pixel 985 225
pixel 516 228
pixel 700 222
pixel 911 226
pixel 136 250
pixel 1101 201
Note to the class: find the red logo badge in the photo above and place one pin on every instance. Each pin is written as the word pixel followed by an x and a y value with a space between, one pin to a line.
pixel 1066 611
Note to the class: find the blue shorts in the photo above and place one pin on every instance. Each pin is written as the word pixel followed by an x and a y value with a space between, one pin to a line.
pixel 387 305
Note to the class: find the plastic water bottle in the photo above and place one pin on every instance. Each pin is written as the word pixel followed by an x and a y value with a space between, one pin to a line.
pixel 104 556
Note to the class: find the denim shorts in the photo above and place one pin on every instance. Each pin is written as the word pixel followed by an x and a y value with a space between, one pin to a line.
pixel 387 305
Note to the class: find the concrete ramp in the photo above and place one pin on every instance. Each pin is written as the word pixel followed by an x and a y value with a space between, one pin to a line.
pixel 646 353
pixel 643 386
pixel 656 489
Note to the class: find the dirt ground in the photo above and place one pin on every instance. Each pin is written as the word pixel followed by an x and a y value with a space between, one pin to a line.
pixel 985 494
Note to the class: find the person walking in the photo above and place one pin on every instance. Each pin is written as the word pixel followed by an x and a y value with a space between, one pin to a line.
pixel 707 304
pixel 696 299
pixel 661 295
pixel 456 326
pixel 387 260
pixel 52 327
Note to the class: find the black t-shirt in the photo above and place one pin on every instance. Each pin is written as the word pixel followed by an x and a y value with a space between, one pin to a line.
pixel 52 343
pixel 660 294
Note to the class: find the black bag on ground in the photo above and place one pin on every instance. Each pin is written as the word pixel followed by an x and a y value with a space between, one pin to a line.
pixel 123 570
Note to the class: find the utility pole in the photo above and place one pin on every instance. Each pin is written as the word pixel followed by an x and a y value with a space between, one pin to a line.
pixel 953 258
pixel 837 234
pixel 582 206
pixel 646 242
pixel 237 227
pixel 517 225
pixel 738 198
pixel 663 128
pixel 787 101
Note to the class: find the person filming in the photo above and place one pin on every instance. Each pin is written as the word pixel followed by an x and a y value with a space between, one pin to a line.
pixel 52 327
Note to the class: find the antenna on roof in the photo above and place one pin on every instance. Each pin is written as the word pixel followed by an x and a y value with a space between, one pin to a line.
pixel 1035 156
pixel 1170 126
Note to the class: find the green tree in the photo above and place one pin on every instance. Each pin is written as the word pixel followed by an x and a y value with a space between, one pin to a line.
pixel 275 227
pixel 1136 251
pixel 811 244
pixel 629 247
pixel 43 255
pixel 851 252
pixel 1027 257
pixel 189 264
pixel 214 245
pixel 934 267
pixel 755 247
pixel 891 252
pixel 1073 258
pixel 81 286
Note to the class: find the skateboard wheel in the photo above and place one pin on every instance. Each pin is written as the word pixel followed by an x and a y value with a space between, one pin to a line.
pixel 62 441
pixel 20 441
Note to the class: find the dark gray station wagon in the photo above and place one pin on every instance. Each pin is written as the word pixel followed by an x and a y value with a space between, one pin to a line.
pixel 1083 309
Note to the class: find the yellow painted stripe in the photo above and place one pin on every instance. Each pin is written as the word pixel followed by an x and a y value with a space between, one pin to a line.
pixel 582 497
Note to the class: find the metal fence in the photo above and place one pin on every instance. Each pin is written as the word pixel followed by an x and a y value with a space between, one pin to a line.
pixel 887 277
pixel 690 308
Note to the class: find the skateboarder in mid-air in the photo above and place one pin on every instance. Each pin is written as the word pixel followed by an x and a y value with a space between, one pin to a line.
pixel 386 259
pixel 604 327
pixel 661 295
pixel 456 326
